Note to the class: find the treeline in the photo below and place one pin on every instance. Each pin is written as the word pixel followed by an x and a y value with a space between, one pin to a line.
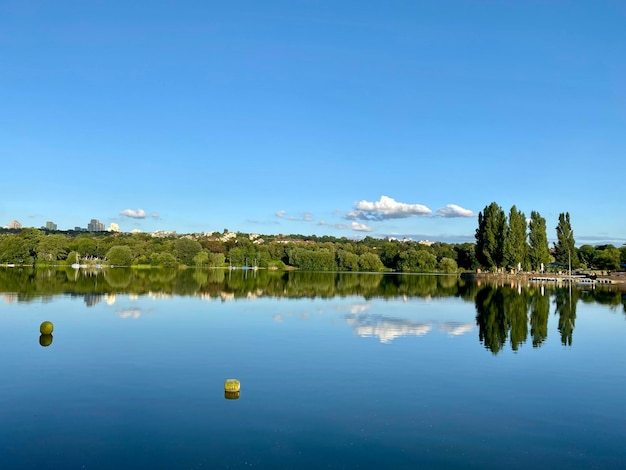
pixel 312 253
pixel 518 243
pixel 501 243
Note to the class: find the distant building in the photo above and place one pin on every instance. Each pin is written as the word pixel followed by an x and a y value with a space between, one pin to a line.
pixel 51 226
pixel 95 226
pixel 14 224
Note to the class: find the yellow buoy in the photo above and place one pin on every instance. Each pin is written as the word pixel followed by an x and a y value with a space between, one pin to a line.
pixel 46 328
pixel 45 340
pixel 232 385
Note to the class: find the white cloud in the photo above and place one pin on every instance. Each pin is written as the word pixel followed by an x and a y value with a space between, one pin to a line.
pixel 360 227
pixel 452 210
pixel 129 313
pixel 154 215
pixel 387 208
pixel 305 217
pixel 135 214
pixel 455 328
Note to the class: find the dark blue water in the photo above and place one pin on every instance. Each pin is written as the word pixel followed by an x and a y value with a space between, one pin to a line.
pixel 341 383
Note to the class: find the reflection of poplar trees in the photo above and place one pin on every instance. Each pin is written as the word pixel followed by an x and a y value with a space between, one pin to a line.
pixel 502 312
pixel 540 310
pixel 490 318
pixel 566 309
pixel 516 310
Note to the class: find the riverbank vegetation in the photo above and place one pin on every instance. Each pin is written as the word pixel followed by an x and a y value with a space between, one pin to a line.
pixel 502 243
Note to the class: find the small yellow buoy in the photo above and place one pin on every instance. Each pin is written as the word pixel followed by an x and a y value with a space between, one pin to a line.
pixel 231 389
pixel 45 340
pixel 232 385
pixel 46 328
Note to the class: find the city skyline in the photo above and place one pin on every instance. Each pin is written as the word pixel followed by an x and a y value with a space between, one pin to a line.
pixel 401 119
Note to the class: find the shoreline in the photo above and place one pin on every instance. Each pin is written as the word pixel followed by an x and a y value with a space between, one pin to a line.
pixel 580 280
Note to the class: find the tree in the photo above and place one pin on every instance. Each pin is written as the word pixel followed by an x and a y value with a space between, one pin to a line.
pixel 166 260
pixel 564 248
pixel 31 237
pixel 608 258
pixel 370 262
pixel 216 260
pixel 52 248
pixel 418 261
pixel 538 249
pixel 14 249
pixel 186 249
pixel 347 261
pixel 120 255
pixel 490 236
pixel 448 265
pixel 587 256
pixel 466 256
pixel 201 258
pixel 515 247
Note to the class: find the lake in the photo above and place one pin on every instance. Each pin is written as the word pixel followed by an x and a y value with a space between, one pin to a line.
pixel 337 371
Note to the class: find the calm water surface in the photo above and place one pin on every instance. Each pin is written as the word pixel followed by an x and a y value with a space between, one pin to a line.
pixel 336 371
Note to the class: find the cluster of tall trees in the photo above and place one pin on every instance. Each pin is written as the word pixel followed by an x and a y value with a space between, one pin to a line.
pixel 515 242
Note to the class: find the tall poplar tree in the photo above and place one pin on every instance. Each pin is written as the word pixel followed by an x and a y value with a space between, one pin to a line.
pixel 490 236
pixel 565 247
pixel 515 246
pixel 539 251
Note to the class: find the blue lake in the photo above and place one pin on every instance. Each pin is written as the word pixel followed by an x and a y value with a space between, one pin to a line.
pixel 455 376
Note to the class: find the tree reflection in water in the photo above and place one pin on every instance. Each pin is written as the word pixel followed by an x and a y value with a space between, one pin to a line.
pixel 503 313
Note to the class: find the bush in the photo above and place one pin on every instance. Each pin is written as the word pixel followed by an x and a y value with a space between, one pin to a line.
pixel 119 255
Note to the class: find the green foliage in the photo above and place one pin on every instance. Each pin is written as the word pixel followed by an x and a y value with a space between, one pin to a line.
pixel 186 249
pixel 370 262
pixel 52 248
pixel 389 253
pixel 216 260
pixel 515 247
pixel 490 236
pixel 322 259
pixel 538 250
pixel 14 249
pixel 466 256
pixel 119 255
pixel 608 259
pixel 565 247
pixel 347 261
pixel 201 258
pixel 448 265
pixel 417 261
pixel 586 256
pixel 166 260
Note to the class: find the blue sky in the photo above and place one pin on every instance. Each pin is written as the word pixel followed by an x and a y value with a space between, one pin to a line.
pixel 343 118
